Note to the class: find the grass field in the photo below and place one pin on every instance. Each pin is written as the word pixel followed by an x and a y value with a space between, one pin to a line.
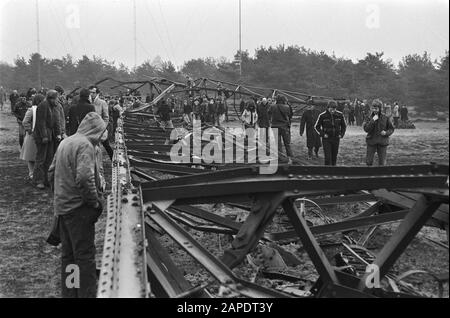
pixel 29 267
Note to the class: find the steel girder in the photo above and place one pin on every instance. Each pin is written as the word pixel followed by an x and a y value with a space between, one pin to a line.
pixel 166 201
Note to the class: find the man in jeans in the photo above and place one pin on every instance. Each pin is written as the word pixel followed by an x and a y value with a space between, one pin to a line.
pixel 378 128
pixel 331 126
pixel 280 117
pixel 76 177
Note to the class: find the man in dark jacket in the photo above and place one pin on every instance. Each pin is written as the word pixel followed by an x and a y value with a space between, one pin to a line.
pixel 308 120
pixel 20 109
pixel 280 118
pixel 13 98
pixel 164 115
pixel 331 126
pixel 404 113
pixel 378 128
pixel 262 109
pixel 79 110
pixel 76 175
pixel 46 135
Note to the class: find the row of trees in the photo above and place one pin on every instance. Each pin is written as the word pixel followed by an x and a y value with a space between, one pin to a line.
pixel 416 80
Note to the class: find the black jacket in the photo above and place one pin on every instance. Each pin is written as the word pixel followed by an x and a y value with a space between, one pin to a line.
pixel 332 125
pixel 164 112
pixel 13 98
pixel 21 108
pixel 263 115
pixel 47 122
pixel 374 129
pixel 77 113
pixel 309 118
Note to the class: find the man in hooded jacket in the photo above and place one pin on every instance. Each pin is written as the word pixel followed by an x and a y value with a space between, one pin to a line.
pixel 76 175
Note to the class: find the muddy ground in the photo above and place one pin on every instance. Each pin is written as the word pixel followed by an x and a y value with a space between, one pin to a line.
pixel 29 267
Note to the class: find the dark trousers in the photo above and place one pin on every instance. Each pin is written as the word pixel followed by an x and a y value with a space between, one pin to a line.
pixel 21 134
pixel 396 122
pixel 77 231
pixel 380 150
pixel 44 157
pixel 310 151
pixel 284 133
pixel 108 148
pixel 330 150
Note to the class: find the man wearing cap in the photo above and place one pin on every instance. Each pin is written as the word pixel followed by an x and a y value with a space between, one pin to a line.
pixel 47 134
pixel 331 126
pixel 378 128
pixel 101 108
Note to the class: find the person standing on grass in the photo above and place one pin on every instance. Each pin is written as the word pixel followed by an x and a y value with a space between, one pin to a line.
pixel 280 118
pixel 220 111
pixel 331 126
pixel 46 135
pixel 101 108
pixel 13 99
pixel 396 114
pixel 2 97
pixel 404 113
pixel 20 109
pixel 29 149
pixel 309 118
pixel 378 128
pixel 75 174
pixel 351 116
pixel 79 110
pixel 250 118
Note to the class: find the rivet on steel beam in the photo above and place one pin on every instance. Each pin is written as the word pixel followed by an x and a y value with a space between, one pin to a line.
pixel 290 175
pixel 135 198
pixel 135 204
pixel 124 200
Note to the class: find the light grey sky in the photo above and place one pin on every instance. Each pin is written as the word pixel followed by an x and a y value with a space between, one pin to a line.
pixel 179 30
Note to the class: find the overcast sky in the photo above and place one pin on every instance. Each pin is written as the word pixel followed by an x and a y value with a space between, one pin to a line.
pixel 179 30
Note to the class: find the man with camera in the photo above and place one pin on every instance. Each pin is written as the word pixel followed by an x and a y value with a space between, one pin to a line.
pixel 378 128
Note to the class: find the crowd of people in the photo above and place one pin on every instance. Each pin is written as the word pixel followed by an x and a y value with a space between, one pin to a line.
pixel 48 116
